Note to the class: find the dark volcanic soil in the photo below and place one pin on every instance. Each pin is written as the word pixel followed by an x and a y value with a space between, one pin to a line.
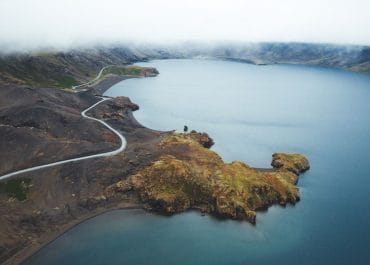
pixel 40 126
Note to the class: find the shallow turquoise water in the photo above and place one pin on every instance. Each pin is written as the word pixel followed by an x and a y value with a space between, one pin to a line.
pixel 251 112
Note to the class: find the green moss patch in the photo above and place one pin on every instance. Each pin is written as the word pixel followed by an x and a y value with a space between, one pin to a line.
pixel 16 188
pixel 131 70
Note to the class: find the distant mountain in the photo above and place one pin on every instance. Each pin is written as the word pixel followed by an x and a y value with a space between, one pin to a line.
pixel 65 69
pixel 62 69
pixel 353 58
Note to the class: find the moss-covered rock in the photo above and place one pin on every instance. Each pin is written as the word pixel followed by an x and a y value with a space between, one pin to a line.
pixel 189 175
pixel 295 163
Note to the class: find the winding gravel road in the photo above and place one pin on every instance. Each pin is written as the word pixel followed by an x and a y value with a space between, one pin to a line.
pixel 83 114
pixel 95 79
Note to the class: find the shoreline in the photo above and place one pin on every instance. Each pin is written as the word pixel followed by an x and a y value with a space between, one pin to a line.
pixel 105 83
pixel 29 252
pixel 35 246
pixel 101 86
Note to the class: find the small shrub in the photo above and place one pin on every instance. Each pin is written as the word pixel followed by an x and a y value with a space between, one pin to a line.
pixel 16 188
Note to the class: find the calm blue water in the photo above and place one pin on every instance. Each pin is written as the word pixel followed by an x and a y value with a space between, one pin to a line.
pixel 251 112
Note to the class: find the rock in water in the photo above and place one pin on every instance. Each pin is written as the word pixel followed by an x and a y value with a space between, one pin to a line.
pixel 295 163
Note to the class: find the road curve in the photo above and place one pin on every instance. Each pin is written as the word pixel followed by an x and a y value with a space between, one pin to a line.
pixel 83 114
pixel 95 79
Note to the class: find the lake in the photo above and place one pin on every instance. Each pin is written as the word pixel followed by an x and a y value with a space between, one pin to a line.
pixel 251 112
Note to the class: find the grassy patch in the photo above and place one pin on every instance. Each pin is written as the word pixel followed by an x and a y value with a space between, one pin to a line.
pixel 52 80
pixel 63 80
pixel 16 188
pixel 133 70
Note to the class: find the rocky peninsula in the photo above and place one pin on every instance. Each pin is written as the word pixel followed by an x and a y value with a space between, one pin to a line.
pixel 189 175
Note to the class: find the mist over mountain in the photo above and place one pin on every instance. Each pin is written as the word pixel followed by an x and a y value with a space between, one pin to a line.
pixel 70 67
pixel 62 25
pixel 49 41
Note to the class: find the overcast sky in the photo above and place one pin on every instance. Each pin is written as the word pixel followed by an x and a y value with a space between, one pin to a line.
pixel 34 23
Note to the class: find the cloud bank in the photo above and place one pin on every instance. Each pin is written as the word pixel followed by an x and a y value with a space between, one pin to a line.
pixel 31 24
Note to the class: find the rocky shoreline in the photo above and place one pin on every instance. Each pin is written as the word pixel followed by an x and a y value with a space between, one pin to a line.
pixel 57 197
pixel 25 254
pixel 159 171
pixel 188 175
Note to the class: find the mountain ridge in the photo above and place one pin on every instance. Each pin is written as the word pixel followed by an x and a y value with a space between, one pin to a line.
pixel 65 69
